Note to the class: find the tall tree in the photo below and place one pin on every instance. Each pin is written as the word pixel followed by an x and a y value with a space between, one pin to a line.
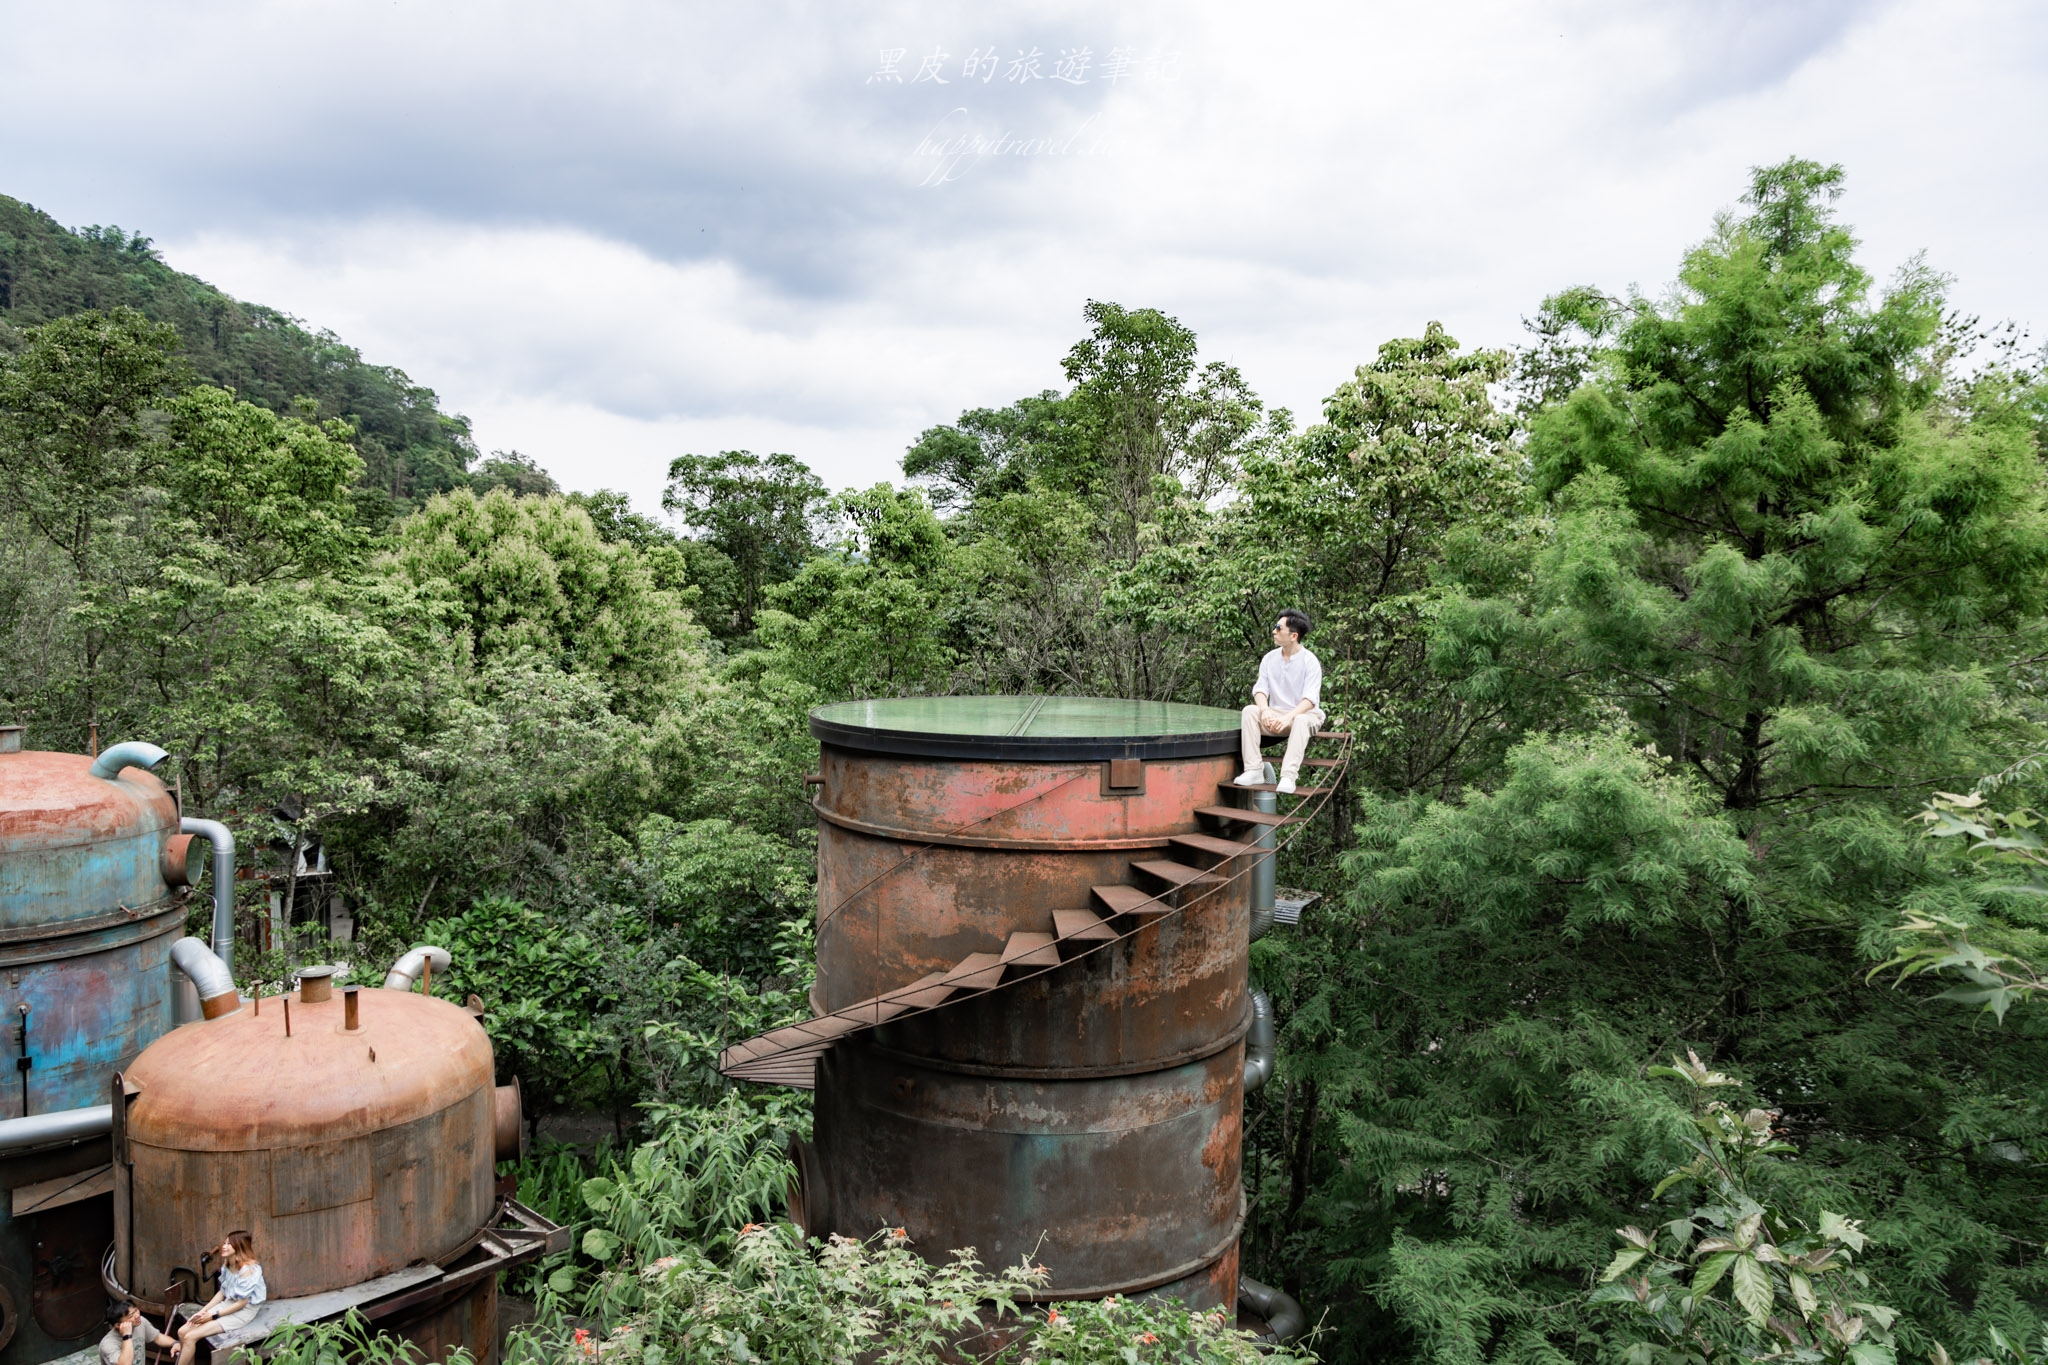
pixel 759 512
pixel 74 449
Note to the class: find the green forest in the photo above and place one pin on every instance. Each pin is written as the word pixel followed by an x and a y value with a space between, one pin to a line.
pixel 1695 649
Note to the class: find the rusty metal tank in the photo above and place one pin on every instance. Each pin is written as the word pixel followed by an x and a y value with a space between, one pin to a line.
pixel 86 923
pixel 358 1143
pixel 91 898
pixel 1087 1116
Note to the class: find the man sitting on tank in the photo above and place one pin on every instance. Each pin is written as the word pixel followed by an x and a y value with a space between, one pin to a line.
pixel 1286 700
pixel 234 1305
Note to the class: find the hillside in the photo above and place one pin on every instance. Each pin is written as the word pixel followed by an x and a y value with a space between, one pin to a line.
pixel 409 446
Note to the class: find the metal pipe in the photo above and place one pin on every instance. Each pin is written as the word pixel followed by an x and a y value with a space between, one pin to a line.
pixel 133 754
pixel 1284 1316
pixel 208 975
pixel 1265 872
pixel 63 1125
pixel 406 971
pixel 1260 1042
pixel 223 841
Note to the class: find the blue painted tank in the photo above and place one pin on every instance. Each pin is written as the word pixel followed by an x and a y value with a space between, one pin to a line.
pixel 91 900
pixel 87 920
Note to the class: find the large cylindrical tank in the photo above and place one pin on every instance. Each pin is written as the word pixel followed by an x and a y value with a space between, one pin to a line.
pixel 86 924
pixel 87 919
pixel 349 1153
pixel 1087 1116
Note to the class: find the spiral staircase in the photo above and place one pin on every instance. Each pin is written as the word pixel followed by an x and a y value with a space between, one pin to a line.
pixel 1200 864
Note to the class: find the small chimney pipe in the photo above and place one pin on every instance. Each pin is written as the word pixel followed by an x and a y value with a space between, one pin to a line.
pixel 350 1020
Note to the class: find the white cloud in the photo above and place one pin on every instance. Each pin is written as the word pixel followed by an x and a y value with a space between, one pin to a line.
pixel 615 233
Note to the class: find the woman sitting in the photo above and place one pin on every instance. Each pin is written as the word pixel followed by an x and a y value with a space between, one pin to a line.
pixel 241 1290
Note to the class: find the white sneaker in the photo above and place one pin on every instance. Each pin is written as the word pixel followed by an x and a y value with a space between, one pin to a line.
pixel 1285 786
pixel 1250 777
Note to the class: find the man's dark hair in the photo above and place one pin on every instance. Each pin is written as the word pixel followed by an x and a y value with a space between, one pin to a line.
pixel 116 1310
pixel 1296 622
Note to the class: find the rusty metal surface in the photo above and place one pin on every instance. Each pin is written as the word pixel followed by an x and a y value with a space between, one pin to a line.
pixel 66 1299
pixel 466 1320
pixel 348 1153
pixel 1115 1184
pixel 74 846
pixel 33 1261
pixel 1086 1114
pixel 1173 989
pixel 508 1123
pixel 892 909
pixel 86 924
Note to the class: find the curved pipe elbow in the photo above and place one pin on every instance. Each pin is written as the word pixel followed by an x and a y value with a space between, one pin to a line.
pixel 1261 1043
pixel 209 975
pixel 406 972
pixel 1283 1314
pixel 223 841
pixel 134 753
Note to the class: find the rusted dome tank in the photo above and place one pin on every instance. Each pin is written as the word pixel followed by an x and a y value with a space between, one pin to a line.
pixel 1086 1113
pixel 86 922
pixel 360 1142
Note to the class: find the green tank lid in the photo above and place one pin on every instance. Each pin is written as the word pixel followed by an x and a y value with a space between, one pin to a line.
pixel 1027 728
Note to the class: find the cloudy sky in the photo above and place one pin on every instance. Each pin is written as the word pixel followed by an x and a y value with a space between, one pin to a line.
pixel 613 233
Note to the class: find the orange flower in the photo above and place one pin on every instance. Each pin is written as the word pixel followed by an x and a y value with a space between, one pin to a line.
pixel 1149 1339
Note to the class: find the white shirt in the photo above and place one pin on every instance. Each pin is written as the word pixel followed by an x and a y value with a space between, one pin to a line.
pixel 1287 682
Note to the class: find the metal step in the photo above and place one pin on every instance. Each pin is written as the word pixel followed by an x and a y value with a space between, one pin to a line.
pixel 1269 787
pixel 1025 949
pixel 788 1055
pixel 1180 874
pixel 925 992
pixel 975 971
pixel 1081 926
pixel 1129 900
pixel 1239 813
pixel 1209 843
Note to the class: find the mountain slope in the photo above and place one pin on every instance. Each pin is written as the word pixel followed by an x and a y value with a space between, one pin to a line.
pixel 409 446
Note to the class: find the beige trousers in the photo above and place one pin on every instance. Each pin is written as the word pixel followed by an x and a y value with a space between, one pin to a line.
pixel 1257 721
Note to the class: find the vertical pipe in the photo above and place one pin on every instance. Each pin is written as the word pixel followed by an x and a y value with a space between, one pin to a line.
pixel 350 1020
pixel 223 841
pixel 1266 871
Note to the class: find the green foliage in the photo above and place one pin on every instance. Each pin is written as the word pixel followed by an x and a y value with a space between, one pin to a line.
pixel 531 577
pixel 705 1173
pixel 410 448
pixel 1787 1289
pixel 351 1340
pixel 871 620
pixel 1933 942
pixel 758 512
pixel 773 1297
pixel 992 453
